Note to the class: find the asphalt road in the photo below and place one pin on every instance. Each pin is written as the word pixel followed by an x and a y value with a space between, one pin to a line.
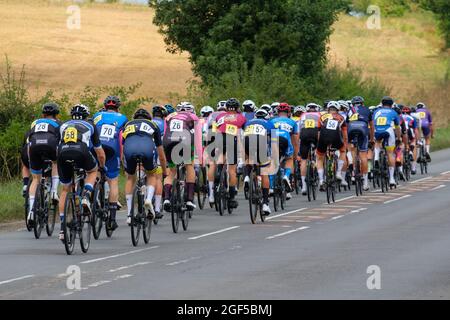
pixel 309 251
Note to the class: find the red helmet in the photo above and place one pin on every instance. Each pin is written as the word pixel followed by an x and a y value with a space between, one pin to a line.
pixel 284 107
pixel 406 110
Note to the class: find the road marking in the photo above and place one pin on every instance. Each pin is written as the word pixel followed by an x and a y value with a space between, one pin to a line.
pixel 337 217
pixel 286 213
pixel 423 179
pixel 67 294
pixel 124 276
pixel 285 233
pixel 182 261
pixel 340 200
pixel 397 199
pixel 99 283
pixel 439 187
pixel 358 210
pixel 130 266
pixel 17 279
pixel 446 172
pixel 341 206
pixel 212 233
pixel 118 255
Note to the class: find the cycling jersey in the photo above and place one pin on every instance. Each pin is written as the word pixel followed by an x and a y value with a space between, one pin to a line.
pixel 309 127
pixel 110 126
pixel 358 121
pixel 229 125
pixel 249 115
pixel 385 119
pixel 332 129
pixel 411 124
pixel 257 139
pixel 161 124
pixel 426 120
pixel 285 128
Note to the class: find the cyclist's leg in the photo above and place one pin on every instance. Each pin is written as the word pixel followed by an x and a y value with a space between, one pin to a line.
pixel 112 175
pixel 427 136
pixel 36 166
pixel 304 151
pixel 65 172
pixel 390 149
pixel 320 152
pixel 25 169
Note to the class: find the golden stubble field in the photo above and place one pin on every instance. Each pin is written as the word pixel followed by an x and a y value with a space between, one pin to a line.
pixel 119 45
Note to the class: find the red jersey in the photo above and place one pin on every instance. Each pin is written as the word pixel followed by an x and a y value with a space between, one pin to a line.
pixel 230 123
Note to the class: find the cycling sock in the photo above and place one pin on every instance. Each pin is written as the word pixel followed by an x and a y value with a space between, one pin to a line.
pixel 167 191
pixel 25 181
pixel 158 202
pixel 61 218
pixel 129 198
pixel 113 210
pixel 265 192
pixel 427 148
pixel 320 172
pixel 366 178
pixel 350 158
pixel 391 172
pixel 340 165
pixel 303 181
pixel 55 183
pixel 413 166
pixel 400 168
pixel 211 187
pixel 287 172
pixel 31 202
pixel 271 178
pixel 190 186
pixel 150 193
pixel 232 192
pixel 377 154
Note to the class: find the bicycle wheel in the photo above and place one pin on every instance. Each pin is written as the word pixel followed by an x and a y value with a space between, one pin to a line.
pixel 185 219
pixel 315 183
pixel 85 231
pixel 108 227
pixel 223 198
pixel 39 212
pixel 97 210
pixel 147 228
pixel 252 199
pixel 309 181
pixel 357 167
pixel 135 214
pixel 27 208
pixel 282 192
pixel 202 193
pixel 51 216
pixel 175 203
pixel 69 223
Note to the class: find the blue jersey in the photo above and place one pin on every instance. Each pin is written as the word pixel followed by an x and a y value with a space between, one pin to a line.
pixel 80 131
pixel 161 125
pixel 249 115
pixel 258 127
pixel 385 118
pixel 109 124
pixel 286 125
pixel 359 113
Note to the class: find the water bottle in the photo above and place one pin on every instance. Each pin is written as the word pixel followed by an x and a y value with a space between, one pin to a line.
pixel 106 190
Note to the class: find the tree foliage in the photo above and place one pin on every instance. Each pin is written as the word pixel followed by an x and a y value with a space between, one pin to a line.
pixel 441 8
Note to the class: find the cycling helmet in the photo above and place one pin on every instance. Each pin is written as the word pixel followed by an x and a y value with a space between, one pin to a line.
pixel 169 108
pixel 333 105
pixel 299 109
pixel 311 107
pixel 266 107
pixel 249 106
pixel 343 105
pixel 413 109
pixel 233 104
pixel 262 114
pixel 283 107
pixel 358 100
pixel 79 112
pixel 142 114
pixel 325 104
pixel 159 111
pixel 206 111
pixel 397 109
pixel 274 105
pixel 387 101
pixel 50 109
pixel 187 107
pixel 421 105
pixel 406 110
pixel 222 105
pixel 111 102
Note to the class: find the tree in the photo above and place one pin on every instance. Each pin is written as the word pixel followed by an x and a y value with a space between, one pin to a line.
pixel 442 10
pixel 227 35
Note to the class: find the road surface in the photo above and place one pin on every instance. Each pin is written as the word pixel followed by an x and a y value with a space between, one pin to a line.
pixel 396 244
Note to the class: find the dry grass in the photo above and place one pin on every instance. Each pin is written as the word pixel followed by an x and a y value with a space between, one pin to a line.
pixel 117 45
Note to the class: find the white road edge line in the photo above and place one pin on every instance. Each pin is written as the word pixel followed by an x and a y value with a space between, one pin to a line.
pixel 118 255
pixel 285 233
pixel 17 279
pixel 397 199
pixel 130 266
pixel 439 187
pixel 215 232
pixel 340 200
pixel 337 217
pixel 446 172
pixel 286 213
pixel 423 179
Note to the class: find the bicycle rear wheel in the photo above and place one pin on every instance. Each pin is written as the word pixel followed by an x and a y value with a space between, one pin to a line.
pixel 69 223
pixel 51 218
pixel 85 232
pixel 97 210
pixel 147 228
pixel 135 214
pixel 175 206
pixel 202 186
pixel 39 212
pixel 282 192
pixel 27 208
pixel 252 199
pixel 223 198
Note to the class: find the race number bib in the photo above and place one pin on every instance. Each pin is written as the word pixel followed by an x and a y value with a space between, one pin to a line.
pixel 255 129
pixel 108 131
pixel 310 124
pixel 381 121
pixel 146 128
pixel 332 124
pixel 176 125
pixel 41 127
pixel 354 117
pixel 220 121
pixel 231 129
pixel 214 127
pixel 129 129
pixel 71 135
pixel 285 127
pixel 422 115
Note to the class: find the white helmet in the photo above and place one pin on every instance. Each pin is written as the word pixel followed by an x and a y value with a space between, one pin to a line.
pixel 333 104
pixel 343 105
pixel 266 107
pixel 299 109
pixel 249 104
pixel 222 105
pixel 311 106
pixel 205 110
pixel 274 105
pixel 186 106
pixel 262 114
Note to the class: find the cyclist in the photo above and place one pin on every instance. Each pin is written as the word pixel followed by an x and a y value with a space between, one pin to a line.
pixel 206 111
pixel 79 138
pixel 110 124
pixel 426 124
pixel 142 138
pixel 287 130
pixel 297 113
pixel 181 129
pixel 412 132
pixel 43 139
pixel 257 140
pixel 387 128
pixel 249 109
pixel 309 131
pixel 268 108
pixel 229 125
pixel 159 114
pixel 360 126
pixel 333 132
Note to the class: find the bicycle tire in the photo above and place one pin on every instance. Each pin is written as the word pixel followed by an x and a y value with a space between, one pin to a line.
pixel 147 229
pixel 175 217
pixel 282 190
pixel 38 212
pixel 85 232
pixel 135 216
pixel 309 181
pixel 51 217
pixel 69 224
pixel 27 207
pixel 97 212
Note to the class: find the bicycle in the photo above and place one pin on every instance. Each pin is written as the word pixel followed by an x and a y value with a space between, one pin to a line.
pixel 407 167
pixel 75 220
pixel 255 197
pixel 100 208
pixel 221 193
pixel 384 169
pixel 357 169
pixel 201 186
pixel 330 174
pixel 139 218
pixel 178 205
pixel 44 209
pixel 26 196
pixel 312 177
pixel 279 189
pixel 297 177
pixel 421 159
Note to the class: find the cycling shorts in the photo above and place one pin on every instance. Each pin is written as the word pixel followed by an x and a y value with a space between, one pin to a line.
pixel 307 137
pixel 359 130
pixel 388 137
pixel 80 154
pixel 38 154
pixel 426 131
pixel 331 138
pixel 139 147
pixel 257 150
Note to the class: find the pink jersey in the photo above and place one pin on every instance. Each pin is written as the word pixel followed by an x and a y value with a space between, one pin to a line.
pixel 230 123
pixel 310 120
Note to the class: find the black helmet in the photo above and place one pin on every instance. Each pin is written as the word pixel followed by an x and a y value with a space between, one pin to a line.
pixel 79 112
pixel 233 104
pixel 358 100
pixel 325 104
pixel 159 111
pixel 387 101
pixel 111 102
pixel 50 109
pixel 142 114
pixel 397 109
